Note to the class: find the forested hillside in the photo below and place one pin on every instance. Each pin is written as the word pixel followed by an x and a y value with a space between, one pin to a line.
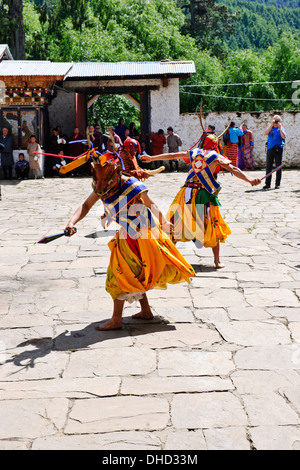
pixel 279 3
pixel 261 23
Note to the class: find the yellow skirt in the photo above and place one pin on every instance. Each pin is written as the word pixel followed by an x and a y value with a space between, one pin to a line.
pixel 136 266
pixel 200 219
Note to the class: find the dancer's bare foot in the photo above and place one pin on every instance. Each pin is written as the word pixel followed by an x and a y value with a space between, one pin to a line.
pixel 144 314
pixel 109 325
pixel 219 265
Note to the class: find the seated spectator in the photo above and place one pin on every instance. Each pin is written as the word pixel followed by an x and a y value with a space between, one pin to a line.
pixel 133 132
pixel 143 152
pixel 117 140
pixel 22 167
pixel 58 162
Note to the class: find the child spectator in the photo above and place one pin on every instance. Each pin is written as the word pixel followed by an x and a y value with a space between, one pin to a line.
pixel 34 159
pixel 22 167
pixel 58 162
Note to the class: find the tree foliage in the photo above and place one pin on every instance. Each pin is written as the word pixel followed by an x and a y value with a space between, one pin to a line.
pixel 208 23
pixel 11 26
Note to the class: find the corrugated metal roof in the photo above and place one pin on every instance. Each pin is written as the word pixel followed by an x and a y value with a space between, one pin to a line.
pixel 64 70
pixel 123 69
pixel 34 68
pixel 4 50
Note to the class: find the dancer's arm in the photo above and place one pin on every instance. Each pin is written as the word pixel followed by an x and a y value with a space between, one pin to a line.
pixel 165 156
pixel 239 173
pixel 81 212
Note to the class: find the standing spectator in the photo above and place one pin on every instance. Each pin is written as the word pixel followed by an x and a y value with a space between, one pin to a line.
pixel 276 136
pixel 120 129
pixel 76 148
pixel 6 148
pixel 54 146
pixel 158 141
pixel 174 143
pixel 62 139
pixel 241 161
pixel 247 147
pixel 96 138
pixel 231 149
pixel 99 136
pixel 34 159
pixel 22 167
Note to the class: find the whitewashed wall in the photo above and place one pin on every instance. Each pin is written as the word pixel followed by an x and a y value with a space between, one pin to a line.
pixel 165 113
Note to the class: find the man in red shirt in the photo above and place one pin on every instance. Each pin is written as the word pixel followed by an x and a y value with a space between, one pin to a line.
pixel 158 140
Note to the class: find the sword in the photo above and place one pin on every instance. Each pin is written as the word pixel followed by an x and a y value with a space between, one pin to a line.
pixel 50 238
pixel 273 171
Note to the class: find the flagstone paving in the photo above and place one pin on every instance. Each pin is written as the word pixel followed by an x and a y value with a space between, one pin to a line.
pixel 217 368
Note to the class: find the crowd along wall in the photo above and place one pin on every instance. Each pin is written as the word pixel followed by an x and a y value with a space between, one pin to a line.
pixel 165 112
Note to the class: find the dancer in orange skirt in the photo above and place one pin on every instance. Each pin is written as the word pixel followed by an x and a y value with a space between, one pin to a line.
pixel 195 210
pixel 143 256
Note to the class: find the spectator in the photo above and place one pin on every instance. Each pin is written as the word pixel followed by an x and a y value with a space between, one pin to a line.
pixel 54 147
pixel 22 167
pixel 96 138
pixel 247 147
pixel 76 148
pixel 143 148
pixel 276 137
pixel 120 129
pixel 133 132
pixel 174 143
pixel 58 162
pixel 158 141
pixel 97 132
pixel 62 139
pixel 231 140
pixel 241 161
pixel 117 140
pixel 6 148
pixel 34 159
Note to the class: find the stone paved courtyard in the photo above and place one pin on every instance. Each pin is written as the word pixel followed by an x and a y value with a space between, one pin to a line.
pixel 217 368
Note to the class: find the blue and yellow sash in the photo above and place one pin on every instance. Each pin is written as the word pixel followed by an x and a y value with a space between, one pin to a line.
pixel 200 160
pixel 119 206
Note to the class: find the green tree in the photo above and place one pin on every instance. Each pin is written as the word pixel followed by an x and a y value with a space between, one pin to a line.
pixel 208 22
pixel 12 28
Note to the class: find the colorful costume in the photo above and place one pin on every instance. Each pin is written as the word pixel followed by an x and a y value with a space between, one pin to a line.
pixel 142 255
pixel 247 148
pixel 195 210
pixel 231 149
